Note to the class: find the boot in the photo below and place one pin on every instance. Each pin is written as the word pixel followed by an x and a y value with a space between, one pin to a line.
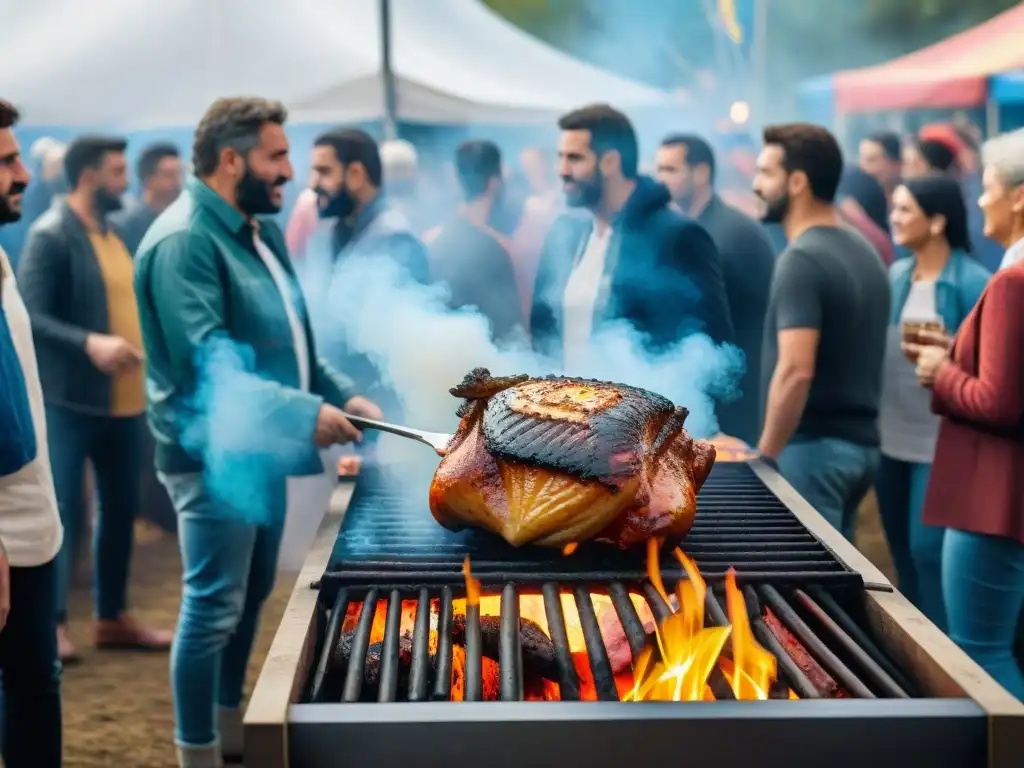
pixel 199 757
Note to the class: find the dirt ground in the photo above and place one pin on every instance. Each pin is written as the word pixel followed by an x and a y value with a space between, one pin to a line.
pixel 117 706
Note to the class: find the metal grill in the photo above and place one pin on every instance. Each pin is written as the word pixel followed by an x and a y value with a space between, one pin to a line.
pixel 740 523
pixel 822 642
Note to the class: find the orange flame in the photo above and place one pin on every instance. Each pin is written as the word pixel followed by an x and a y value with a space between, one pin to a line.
pixel 472 585
pixel 754 667
pixel 688 652
pixel 654 567
pixel 569 548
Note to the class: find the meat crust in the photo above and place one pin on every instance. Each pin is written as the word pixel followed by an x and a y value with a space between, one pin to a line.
pixel 555 460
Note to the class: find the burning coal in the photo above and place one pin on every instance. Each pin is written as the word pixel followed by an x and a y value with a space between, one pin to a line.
pixel 678 664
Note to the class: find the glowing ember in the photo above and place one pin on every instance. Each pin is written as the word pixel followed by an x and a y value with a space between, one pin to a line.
pixel 732 449
pixel 569 548
pixel 676 666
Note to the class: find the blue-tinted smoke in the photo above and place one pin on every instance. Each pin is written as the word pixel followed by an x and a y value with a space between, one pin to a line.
pixel 249 432
pixel 422 349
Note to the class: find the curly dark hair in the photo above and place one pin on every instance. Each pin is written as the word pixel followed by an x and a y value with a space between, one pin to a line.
pixel 813 150
pixel 232 122
pixel 8 115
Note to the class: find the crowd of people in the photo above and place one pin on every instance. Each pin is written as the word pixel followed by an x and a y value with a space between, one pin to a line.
pixel 879 351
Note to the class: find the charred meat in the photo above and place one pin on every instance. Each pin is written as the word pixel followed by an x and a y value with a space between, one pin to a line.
pixel 553 461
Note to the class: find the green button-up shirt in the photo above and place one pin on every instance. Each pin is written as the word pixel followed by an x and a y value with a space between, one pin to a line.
pixel 222 373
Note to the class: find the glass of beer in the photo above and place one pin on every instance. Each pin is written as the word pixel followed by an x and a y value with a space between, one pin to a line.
pixel 912 328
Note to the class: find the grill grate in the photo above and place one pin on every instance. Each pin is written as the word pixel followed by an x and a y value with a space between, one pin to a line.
pixel 818 627
pixel 740 523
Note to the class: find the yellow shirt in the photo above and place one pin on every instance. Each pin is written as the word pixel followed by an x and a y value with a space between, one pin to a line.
pixel 128 396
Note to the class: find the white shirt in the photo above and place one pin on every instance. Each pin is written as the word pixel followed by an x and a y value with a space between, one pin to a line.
pixel 1013 254
pixel 920 304
pixel 580 299
pixel 30 526
pixel 299 340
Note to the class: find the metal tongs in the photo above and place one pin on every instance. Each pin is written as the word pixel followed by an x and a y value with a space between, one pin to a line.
pixel 436 440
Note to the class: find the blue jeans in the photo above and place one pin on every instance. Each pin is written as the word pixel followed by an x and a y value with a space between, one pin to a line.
pixel 916 548
pixel 983 582
pixel 228 573
pixel 114 444
pixel 31 673
pixel 832 475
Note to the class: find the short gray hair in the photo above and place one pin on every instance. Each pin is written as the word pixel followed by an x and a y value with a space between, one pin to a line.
pixel 1005 154
pixel 232 122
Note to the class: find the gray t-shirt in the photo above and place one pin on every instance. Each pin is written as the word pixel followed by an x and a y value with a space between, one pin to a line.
pixel 832 280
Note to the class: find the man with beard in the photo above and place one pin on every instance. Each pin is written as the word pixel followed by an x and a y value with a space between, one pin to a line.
pixel 468 255
pixel 686 166
pixel 159 172
pixel 358 223
pixel 30 528
pixel 826 329
pixel 224 323
pixel 76 278
pixel 634 261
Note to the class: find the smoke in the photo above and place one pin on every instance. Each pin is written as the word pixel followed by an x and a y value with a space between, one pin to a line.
pixel 250 432
pixel 422 349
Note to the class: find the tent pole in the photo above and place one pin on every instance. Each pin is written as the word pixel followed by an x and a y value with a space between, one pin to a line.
pixel 759 51
pixel 386 72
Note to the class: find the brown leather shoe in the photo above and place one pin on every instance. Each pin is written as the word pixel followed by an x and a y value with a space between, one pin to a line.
pixel 66 651
pixel 124 633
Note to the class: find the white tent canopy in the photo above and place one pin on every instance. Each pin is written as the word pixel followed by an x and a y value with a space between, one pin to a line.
pixel 139 63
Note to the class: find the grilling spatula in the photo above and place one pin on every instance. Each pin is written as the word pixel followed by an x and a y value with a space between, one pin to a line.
pixel 436 440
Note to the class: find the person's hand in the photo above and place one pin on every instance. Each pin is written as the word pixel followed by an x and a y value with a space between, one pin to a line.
pixel 332 427
pixel 111 354
pixel 929 338
pixel 362 406
pixel 5 587
pixel 929 361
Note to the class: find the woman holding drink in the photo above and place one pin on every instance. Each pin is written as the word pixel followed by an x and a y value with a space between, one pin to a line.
pixel 977 486
pixel 932 290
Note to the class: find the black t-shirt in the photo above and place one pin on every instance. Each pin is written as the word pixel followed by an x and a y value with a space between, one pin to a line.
pixel 478 272
pixel 832 280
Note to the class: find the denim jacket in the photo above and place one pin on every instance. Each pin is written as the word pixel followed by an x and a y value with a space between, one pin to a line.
pixel 956 290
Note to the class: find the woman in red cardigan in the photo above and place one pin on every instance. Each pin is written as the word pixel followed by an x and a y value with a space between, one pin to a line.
pixel 977 482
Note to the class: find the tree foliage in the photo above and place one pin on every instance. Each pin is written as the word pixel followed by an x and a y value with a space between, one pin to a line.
pixel 664 41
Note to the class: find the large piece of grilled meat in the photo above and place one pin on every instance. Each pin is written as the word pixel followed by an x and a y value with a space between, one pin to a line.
pixel 554 460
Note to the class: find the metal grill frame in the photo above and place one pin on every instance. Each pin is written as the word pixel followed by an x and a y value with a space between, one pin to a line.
pixel 971 722
pixel 850 733
pixel 938 733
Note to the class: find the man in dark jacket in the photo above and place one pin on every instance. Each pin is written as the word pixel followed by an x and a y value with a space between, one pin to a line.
pixel 635 261
pixel 76 279
pixel 686 166
pixel 358 223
